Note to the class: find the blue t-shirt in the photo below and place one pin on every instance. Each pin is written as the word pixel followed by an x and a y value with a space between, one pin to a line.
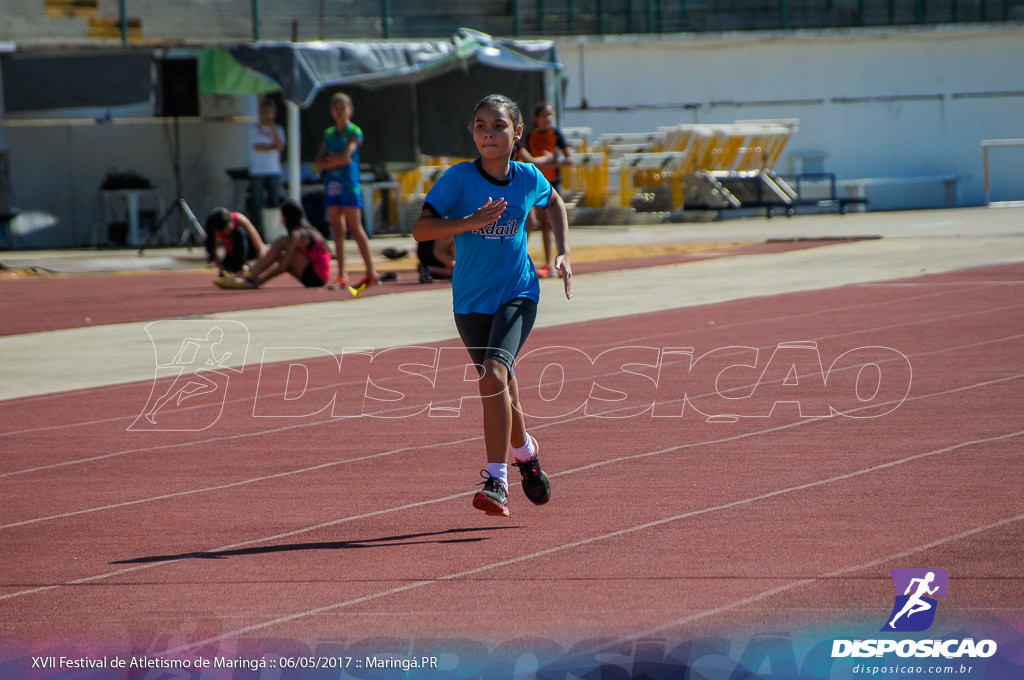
pixel 336 142
pixel 492 264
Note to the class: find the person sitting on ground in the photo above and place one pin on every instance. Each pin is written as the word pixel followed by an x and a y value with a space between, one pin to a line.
pixel 437 259
pixel 303 253
pixel 236 235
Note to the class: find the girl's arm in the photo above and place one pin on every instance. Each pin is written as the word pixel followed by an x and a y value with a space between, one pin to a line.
pixel 543 161
pixel 218 262
pixel 560 228
pixel 212 255
pixel 338 160
pixel 250 230
pixel 430 227
pixel 566 156
pixel 329 161
pixel 345 157
pixel 321 157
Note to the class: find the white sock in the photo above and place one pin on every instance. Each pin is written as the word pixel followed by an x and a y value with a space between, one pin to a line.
pixel 500 472
pixel 524 452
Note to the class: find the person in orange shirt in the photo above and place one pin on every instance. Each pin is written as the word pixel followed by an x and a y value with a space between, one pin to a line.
pixel 545 147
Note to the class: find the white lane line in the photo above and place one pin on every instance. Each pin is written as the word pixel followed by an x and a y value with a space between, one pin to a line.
pixel 615 534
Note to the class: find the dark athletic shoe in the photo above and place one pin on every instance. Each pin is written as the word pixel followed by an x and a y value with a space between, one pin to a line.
pixel 492 499
pixel 536 484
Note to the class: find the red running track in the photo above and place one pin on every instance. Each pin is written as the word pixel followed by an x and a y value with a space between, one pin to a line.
pixel 312 529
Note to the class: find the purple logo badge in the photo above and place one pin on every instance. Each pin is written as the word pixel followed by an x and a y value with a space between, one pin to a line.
pixel 916 589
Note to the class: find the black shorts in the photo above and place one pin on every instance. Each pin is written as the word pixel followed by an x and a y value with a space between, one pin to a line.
pixel 242 251
pixel 233 263
pixel 309 278
pixel 500 335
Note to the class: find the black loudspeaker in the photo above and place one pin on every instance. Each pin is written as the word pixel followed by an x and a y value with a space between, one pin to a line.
pixel 179 88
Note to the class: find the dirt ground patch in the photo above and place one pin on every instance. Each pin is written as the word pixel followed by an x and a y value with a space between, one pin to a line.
pixel 584 254
pixel 605 252
pixel 409 263
pixel 22 273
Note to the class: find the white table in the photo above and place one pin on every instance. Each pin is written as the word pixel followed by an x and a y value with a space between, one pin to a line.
pixel 131 205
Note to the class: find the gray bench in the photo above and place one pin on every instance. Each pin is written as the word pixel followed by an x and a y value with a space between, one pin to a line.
pixel 857 188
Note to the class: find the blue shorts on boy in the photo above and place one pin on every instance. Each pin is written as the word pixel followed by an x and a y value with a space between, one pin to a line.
pixel 494 266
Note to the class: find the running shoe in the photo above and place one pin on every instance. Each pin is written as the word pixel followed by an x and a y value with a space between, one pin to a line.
pixel 338 283
pixel 536 484
pixel 426 276
pixel 545 271
pixel 234 283
pixel 366 282
pixel 493 498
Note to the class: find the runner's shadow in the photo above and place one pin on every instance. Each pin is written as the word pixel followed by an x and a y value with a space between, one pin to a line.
pixel 384 542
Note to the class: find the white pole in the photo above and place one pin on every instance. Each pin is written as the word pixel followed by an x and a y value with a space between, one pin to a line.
pixel 988 189
pixel 987 144
pixel 294 151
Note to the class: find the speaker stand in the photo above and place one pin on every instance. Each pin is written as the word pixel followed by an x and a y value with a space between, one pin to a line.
pixel 185 219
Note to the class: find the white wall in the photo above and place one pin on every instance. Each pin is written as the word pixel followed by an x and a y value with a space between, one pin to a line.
pixel 58 167
pixel 878 102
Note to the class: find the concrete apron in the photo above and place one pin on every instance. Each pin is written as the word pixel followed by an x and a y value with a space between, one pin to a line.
pixel 913 244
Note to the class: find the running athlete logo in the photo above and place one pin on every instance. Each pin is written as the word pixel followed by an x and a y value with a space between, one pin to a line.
pixel 914 609
pixel 197 357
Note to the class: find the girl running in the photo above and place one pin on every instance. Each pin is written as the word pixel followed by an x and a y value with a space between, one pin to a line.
pixel 495 288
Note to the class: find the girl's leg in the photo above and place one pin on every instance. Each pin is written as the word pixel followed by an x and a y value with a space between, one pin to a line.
pixel 354 219
pixel 509 329
pixel 273 263
pixel 336 217
pixel 517 436
pixel 494 342
pixel 269 257
pixel 497 408
pixel 536 483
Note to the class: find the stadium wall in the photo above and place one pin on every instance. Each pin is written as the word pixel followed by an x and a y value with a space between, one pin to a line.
pixel 871 103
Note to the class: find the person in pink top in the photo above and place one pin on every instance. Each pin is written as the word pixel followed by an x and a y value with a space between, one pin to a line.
pixel 303 253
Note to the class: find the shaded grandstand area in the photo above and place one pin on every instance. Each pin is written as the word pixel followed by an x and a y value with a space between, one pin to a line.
pixel 301 20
